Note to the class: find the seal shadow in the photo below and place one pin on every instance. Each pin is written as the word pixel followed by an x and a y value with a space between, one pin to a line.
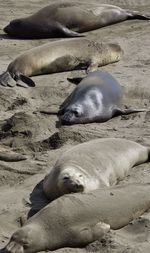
pixel 38 199
pixel 4 36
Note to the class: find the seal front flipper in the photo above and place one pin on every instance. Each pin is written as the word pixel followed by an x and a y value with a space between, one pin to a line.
pixel 75 80
pixel 92 67
pixel 7 80
pixel 67 32
pixel 92 233
pixel 118 111
pixel 24 81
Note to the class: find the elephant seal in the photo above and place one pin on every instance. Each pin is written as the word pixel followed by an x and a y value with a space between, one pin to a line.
pixel 92 165
pixel 65 19
pixel 59 56
pixel 97 98
pixel 76 220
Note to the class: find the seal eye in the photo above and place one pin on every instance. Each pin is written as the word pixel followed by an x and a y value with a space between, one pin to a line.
pixel 75 112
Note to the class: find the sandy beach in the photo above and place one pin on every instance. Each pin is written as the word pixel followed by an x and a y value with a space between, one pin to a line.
pixel 25 130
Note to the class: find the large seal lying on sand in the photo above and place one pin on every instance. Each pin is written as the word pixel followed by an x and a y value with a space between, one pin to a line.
pixel 92 165
pixel 65 19
pixel 97 98
pixel 76 220
pixel 59 56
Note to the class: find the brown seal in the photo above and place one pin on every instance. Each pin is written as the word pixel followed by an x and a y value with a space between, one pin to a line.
pixel 92 165
pixel 65 19
pixel 59 56
pixel 76 220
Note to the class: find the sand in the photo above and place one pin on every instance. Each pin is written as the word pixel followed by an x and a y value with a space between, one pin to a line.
pixel 25 130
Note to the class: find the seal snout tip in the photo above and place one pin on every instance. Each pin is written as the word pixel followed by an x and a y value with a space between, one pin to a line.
pixel 6 29
pixel 13 247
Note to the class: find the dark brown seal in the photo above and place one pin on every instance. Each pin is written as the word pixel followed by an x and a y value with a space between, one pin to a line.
pixel 65 19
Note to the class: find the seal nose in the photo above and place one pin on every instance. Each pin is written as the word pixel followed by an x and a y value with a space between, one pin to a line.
pixel 66 118
pixel 6 29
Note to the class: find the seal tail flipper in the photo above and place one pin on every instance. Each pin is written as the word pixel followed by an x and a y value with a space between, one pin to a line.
pixel 127 111
pixel 75 80
pixel 24 81
pixel 137 15
pixel 69 33
pixel 7 80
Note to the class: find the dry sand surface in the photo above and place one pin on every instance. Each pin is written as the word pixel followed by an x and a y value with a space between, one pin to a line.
pixel 25 130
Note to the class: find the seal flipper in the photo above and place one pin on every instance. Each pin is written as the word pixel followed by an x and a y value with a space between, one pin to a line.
pixel 67 32
pixel 75 80
pixel 7 80
pixel 92 233
pixel 118 111
pixel 137 15
pixel 24 81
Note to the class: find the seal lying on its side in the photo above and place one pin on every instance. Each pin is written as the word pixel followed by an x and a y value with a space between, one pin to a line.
pixel 59 56
pixel 97 98
pixel 65 19
pixel 76 220
pixel 92 165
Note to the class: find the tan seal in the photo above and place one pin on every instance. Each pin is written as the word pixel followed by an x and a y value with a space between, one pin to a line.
pixel 59 56
pixel 93 165
pixel 65 19
pixel 76 220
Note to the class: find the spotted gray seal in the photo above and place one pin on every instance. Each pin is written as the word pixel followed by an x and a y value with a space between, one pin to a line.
pixel 76 220
pixel 92 165
pixel 59 56
pixel 97 98
pixel 65 19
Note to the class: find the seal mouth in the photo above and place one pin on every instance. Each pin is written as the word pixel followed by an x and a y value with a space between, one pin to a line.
pixel 75 187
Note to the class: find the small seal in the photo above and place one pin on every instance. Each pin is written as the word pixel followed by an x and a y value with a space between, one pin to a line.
pixel 65 19
pixel 76 220
pixel 93 165
pixel 97 98
pixel 59 56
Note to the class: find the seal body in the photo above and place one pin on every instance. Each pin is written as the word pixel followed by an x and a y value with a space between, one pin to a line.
pixel 76 220
pixel 59 56
pixel 97 98
pixel 92 165
pixel 65 19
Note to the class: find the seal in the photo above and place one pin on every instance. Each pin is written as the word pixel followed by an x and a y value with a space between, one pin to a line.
pixel 59 56
pixel 76 220
pixel 97 98
pixel 65 19
pixel 92 165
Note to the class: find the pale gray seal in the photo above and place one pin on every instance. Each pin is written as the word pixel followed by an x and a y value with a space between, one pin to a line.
pixel 76 220
pixel 65 19
pixel 92 165
pixel 59 56
pixel 97 98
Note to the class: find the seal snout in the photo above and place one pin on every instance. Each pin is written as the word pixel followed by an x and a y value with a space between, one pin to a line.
pixel 14 247
pixel 66 118
pixel 73 185
pixel 13 26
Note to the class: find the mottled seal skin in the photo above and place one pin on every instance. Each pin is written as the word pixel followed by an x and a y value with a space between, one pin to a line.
pixel 76 220
pixel 59 56
pixel 97 98
pixel 92 165
pixel 65 19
